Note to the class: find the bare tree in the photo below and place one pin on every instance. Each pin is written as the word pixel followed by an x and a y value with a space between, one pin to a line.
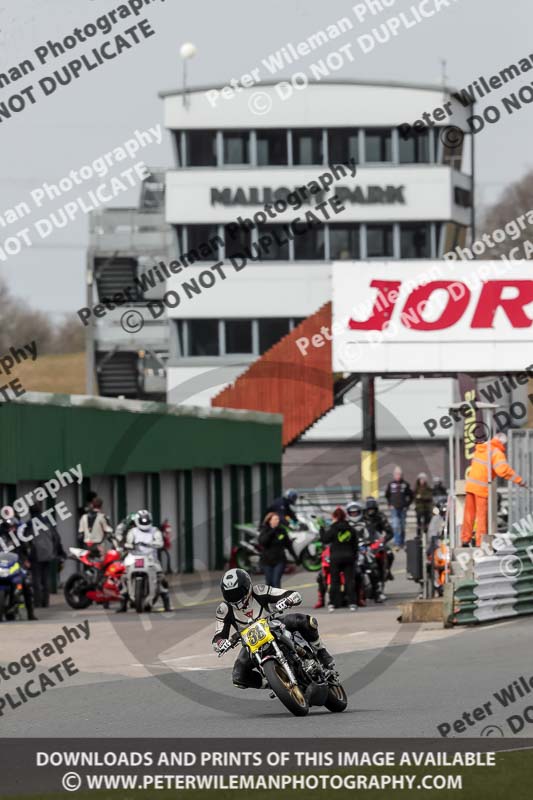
pixel 22 324
pixel 511 214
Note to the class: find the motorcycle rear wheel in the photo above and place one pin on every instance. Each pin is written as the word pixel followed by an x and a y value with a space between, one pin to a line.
pixel 75 592
pixel 337 699
pixel 292 697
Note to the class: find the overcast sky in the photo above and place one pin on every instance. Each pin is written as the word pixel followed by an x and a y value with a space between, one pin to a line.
pixel 101 109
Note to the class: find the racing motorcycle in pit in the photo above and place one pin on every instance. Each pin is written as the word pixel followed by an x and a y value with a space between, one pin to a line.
pixel 98 580
pixel 305 536
pixel 370 572
pixel 289 665
pixel 141 580
pixel 11 578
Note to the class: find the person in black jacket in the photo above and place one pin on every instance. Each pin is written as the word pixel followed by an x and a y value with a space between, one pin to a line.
pixel 274 541
pixel 379 528
pixel 283 506
pixel 399 497
pixel 343 545
pixel 46 550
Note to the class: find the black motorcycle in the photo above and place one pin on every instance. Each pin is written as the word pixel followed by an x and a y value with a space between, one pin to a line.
pixel 290 666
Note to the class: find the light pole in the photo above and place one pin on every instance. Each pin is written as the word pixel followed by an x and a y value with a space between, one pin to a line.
pixel 187 51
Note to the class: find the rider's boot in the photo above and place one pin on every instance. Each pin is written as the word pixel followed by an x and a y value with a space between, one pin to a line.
pixel 166 601
pixel 323 656
pixel 320 602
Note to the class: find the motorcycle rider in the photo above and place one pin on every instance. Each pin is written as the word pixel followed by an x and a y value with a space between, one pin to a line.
pixel 283 506
pixel 242 604
pixel 355 514
pixel 9 525
pixel 146 538
pixel 124 527
pixel 379 528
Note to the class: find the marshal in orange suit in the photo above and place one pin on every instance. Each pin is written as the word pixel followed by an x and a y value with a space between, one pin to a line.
pixel 477 485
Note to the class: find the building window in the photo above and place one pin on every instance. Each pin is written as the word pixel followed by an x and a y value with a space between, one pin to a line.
pixel 307 147
pixel 236 147
pixel 343 242
pixel 415 240
pixel 415 149
pixel 236 241
pixel 238 336
pixel 203 337
pixel 378 145
pixel 379 243
pixel 201 148
pixel 201 243
pixel 271 331
pixel 343 145
pixel 276 247
pixel 308 244
pixel 272 148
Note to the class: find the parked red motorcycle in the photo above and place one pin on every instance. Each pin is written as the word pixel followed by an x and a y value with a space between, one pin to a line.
pixel 98 580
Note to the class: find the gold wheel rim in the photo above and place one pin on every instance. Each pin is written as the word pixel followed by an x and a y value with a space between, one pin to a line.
pixel 339 692
pixel 294 690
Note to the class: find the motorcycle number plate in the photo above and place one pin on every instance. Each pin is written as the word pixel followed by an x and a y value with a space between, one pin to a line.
pixel 139 562
pixel 257 635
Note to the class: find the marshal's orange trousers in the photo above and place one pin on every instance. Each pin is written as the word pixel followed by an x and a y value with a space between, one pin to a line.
pixel 476 508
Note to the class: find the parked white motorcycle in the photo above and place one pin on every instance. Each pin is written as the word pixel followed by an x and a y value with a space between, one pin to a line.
pixel 305 537
pixel 141 579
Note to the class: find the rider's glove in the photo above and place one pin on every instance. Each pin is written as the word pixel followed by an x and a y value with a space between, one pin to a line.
pixel 221 646
pixel 281 605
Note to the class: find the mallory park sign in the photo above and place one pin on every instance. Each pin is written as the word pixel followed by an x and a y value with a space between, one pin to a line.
pixel 254 196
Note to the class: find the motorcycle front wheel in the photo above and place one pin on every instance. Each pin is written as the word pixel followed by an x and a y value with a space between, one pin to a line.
pixel 292 697
pixel 75 592
pixel 309 562
pixel 139 595
pixel 242 559
pixel 337 699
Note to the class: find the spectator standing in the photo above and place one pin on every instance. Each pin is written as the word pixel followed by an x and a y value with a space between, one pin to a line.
pixel 343 543
pixel 274 540
pixel 95 527
pixel 399 497
pixel 423 503
pixel 46 549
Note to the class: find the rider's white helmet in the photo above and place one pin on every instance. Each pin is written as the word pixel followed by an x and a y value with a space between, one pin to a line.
pixel 143 520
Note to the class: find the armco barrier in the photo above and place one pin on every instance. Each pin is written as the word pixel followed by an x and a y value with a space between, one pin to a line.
pixel 494 582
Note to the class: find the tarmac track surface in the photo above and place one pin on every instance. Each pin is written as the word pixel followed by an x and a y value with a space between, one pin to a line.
pixel 156 675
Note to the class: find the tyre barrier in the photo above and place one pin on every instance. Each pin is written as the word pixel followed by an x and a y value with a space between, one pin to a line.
pixel 492 582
